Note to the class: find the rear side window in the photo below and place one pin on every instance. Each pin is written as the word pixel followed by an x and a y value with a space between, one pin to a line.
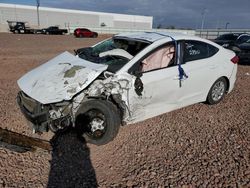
pixel 195 50
pixel 243 38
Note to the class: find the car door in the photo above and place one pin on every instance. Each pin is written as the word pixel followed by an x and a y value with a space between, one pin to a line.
pixel 88 33
pixel 155 91
pixel 201 67
pixel 85 32
pixel 51 30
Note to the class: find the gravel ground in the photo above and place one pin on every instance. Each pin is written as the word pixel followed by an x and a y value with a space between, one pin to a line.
pixel 197 146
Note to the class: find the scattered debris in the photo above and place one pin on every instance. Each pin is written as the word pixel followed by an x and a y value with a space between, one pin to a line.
pixel 21 143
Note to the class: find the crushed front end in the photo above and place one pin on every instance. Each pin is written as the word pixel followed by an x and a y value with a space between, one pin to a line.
pixel 44 117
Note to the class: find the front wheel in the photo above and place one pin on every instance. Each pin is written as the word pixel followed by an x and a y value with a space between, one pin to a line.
pixel 98 121
pixel 217 91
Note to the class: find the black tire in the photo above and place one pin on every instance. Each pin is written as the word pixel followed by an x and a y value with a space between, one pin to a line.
pixel 217 91
pixel 81 35
pixel 95 110
pixel 47 33
pixel 95 35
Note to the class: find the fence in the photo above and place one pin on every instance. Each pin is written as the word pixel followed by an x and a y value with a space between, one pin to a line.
pixel 107 30
pixel 213 33
pixel 208 33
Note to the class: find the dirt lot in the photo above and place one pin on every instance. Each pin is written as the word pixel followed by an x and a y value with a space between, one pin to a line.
pixel 201 145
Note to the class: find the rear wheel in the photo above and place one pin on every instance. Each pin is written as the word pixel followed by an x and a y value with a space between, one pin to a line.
pixel 217 91
pixel 94 35
pixel 98 121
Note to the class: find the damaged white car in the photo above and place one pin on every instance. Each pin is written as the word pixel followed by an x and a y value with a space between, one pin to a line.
pixel 125 79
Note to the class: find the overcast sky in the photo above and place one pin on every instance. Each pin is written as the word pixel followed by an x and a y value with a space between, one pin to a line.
pixel 178 13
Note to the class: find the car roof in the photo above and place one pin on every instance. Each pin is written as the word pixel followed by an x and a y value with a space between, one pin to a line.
pixel 9 21
pixel 82 28
pixel 234 34
pixel 155 36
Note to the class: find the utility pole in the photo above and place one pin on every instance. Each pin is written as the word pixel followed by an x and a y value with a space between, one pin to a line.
pixel 203 18
pixel 15 13
pixel 37 10
pixel 227 25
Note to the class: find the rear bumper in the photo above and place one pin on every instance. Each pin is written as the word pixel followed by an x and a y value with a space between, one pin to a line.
pixel 77 34
pixel 233 78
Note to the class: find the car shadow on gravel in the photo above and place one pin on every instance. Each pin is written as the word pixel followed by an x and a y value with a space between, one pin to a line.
pixel 70 164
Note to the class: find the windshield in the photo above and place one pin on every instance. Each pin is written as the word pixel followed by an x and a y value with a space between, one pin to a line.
pixel 243 39
pixel 114 52
pixel 248 41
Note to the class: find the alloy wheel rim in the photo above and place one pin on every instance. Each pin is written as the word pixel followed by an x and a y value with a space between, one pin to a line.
pixel 218 91
pixel 97 124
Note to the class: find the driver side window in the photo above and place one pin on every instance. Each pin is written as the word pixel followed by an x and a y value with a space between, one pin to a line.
pixel 160 58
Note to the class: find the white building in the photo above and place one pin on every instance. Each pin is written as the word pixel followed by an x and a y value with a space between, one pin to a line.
pixel 70 18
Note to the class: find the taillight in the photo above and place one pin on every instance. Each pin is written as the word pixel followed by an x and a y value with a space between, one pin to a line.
pixel 235 59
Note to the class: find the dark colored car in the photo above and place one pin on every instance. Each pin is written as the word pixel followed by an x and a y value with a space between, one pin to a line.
pixel 244 52
pixel 238 42
pixel 83 32
pixel 54 30
pixel 232 39
pixel 21 27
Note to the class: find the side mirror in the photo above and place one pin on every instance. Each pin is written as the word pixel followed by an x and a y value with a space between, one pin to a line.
pixel 138 86
pixel 136 70
pixel 137 73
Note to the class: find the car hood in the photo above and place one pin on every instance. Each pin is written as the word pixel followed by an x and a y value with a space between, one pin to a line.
pixel 60 78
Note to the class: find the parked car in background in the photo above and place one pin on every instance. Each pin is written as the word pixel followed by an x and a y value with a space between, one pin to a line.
pixel 54 30
pixel 231 39
pixel 123 80
pixel 83 32
pixel 22 27
pixel 238 42
pixel 243 52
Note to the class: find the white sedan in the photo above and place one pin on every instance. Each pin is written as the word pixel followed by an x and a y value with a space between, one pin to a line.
pixel 125 79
